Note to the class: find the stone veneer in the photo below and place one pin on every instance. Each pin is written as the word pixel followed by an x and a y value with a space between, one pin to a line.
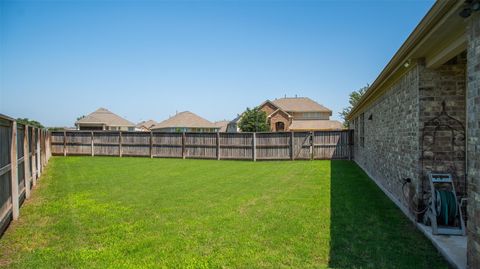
pixel 473 139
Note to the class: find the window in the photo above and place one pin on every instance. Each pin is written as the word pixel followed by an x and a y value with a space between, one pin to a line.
pixel 279 126
pixel 362 130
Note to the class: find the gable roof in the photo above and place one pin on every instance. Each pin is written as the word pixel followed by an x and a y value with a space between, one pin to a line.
pixel 147 124
pixel 279 110
pixel 299 104
pixel 222 125
pixel 104 116
pixel 185 119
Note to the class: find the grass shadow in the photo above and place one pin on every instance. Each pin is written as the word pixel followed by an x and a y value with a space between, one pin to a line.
pixel 368 230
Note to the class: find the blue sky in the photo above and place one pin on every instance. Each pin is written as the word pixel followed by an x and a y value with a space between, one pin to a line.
pixel 149 59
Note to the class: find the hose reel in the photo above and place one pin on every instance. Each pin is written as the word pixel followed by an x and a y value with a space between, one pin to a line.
pixel 444 214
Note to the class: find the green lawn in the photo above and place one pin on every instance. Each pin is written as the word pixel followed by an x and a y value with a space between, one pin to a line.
pixel 101 212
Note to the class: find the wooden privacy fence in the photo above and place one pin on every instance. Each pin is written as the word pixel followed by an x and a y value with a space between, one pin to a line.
pixel 239 146
pixel 24 152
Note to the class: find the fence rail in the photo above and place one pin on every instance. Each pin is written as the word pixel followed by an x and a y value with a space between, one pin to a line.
pixel 24 152
pixel 241 146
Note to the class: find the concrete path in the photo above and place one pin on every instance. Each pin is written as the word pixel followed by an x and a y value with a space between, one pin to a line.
pixel 452 247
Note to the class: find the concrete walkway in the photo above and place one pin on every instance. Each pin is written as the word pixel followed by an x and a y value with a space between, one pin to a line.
pixel 452 247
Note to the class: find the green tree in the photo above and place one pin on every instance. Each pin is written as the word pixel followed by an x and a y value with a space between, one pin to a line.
pixel 354 98
pixel 81 117
pixel 254 120
pixel 26 121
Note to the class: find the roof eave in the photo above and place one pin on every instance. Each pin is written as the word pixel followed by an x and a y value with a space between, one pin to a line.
pixel 434 15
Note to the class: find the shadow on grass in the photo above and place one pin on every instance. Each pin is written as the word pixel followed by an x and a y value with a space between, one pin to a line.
pixel 368 230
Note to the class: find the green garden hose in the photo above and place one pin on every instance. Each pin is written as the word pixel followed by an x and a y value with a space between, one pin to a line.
pixel 448 206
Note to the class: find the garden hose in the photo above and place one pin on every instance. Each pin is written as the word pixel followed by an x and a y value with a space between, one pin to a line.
pixel 446 206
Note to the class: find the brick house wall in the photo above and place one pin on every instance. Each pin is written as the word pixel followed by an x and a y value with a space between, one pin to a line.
pixel 444 84
pixel 389 132
pixel 279 116
pixel 386 134
pixel 268 108
pixel 473 141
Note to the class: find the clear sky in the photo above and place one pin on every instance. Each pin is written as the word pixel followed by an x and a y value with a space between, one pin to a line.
pixel 148 59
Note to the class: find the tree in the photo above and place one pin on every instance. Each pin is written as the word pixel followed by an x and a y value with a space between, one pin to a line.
pixel 354 98
pixel 26 121
pixel 254 120
pixel 81 117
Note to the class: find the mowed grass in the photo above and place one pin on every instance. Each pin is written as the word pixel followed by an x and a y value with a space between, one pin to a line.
pixel 101 212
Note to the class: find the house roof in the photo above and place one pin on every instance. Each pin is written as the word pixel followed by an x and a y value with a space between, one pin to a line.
pixel 146 124
pixel 299 104
pixel 310 125
pixel 185 119
pixel 438 37
pixel 104 116
pixel 222 125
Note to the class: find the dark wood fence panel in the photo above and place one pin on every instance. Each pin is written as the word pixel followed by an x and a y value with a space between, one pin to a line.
pixel 5 173
pixel 240 146
pixel 79 143
pixel 237 146
pixel 273 146
pixel 331 145
pixel 135 144
pixel 201 145
pixel 20 147
pixel 104 143
pixel 167 145
pixel 302 146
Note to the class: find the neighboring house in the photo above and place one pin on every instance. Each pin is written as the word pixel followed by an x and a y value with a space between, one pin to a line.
pixel 298 114
pixel 232 126
pixel 222 125
pixel 145 126
pixel 422 114
pixel 103 119
pixel 185 122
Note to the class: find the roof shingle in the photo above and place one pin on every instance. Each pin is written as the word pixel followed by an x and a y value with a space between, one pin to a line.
pixel 184 119
pixel 299 104
pixel 104 116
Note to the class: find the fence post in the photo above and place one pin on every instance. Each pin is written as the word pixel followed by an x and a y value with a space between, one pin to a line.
pixel 26 163
pixel 292 137
pixel 48 146
pixel 14 172
pixel 120 144
pixel 183 145
pixel 218 145
pixel 33 152
pixel 350 144
pixel 40 141
pixel 254 146
pixel 92 149
pixel 311 145
pixel 151 144
pixel 39 171
pixel 64 142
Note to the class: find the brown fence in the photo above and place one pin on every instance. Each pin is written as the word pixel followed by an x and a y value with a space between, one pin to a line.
pixel 24 152
pixel 240 146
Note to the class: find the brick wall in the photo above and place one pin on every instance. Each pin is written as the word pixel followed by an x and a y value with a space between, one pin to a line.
pixel 473 140
pixel 444 148
pixel 393 128
pixel 279 117
pixel 391 135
